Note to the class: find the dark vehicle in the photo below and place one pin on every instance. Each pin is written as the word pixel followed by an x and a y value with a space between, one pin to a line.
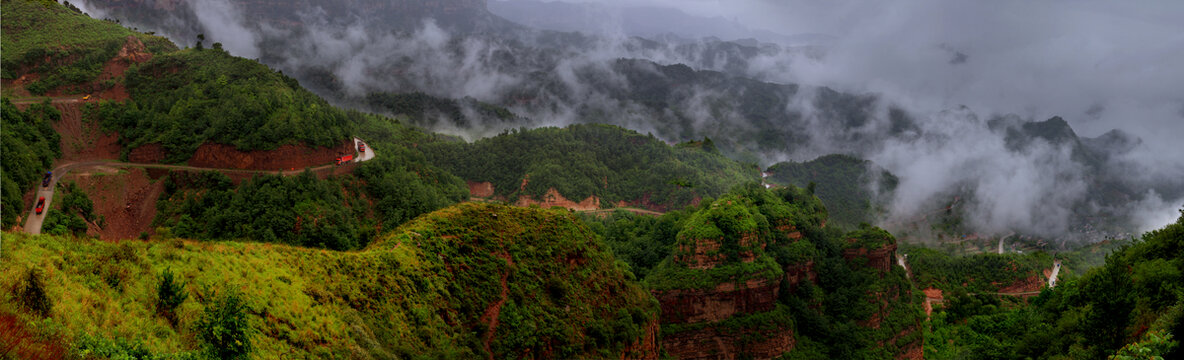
pixel 40 205
pixel 361 147
pixel 48 177
pixel 344 159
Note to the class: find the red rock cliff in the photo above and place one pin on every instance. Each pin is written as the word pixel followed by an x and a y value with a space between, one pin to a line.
pixel 686 306
pixel 879 259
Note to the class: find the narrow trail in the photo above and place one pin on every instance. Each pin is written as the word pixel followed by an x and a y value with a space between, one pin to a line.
pixel 35 221
pixel 494 311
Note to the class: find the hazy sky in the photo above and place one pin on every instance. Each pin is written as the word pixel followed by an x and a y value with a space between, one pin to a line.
pixel 1100 65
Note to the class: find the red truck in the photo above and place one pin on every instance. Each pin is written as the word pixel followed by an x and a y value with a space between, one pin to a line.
pixel 344 159
pixel 40 205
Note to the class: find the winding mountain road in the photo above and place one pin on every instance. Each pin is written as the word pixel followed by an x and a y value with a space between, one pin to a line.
pixel 1001 241
pixel 35 220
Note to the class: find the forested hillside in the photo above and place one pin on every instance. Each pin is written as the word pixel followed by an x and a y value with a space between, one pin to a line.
pixel 605 161
pixel 854 190
pixel 184 99
pixel 177 99
pixel 1132 306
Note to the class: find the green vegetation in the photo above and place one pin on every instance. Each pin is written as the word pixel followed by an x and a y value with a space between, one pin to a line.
pixel 30 293
pixel 731 223
pixel 425 110
pixel 186 98
pixel 170 293
pixel 423 290
pixel 579 161
pixel 72 211
pixel 640 241
pixel 298 210
pixel 1131 307
pixel 979 273
pixel 853 190
pixel 223 328
pixel 868 237
pixel 61 45
pixel 830 318
pixel 28 146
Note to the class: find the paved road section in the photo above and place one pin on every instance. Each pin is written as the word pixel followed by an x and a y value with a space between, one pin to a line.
pixel 363 155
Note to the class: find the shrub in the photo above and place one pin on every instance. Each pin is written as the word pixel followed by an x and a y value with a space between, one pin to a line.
pixel 169 294
pixel 223 328
pixel 30 291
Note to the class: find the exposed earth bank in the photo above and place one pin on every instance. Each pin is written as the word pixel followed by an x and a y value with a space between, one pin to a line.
pixel 221 156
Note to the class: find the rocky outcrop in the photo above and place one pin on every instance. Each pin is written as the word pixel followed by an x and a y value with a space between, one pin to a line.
pixel 715 343
pixel 701 254
pixel 480 189
pixel 879 258
pixel 797 273
pixel 645 348
pixel 553 198
pixel 719 321
pixel 688 306
pixel 1025 286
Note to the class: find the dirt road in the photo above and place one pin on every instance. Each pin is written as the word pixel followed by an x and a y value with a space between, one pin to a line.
pixel 55 100
pixel 34 222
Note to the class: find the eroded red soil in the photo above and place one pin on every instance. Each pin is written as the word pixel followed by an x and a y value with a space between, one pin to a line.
pixel 124 198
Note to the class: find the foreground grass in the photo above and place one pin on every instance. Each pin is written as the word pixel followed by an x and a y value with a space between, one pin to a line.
pixel 422 291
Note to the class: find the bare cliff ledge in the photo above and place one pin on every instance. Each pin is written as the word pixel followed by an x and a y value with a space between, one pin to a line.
pixel 718 290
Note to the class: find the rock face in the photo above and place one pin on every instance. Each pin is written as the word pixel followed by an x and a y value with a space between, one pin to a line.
pixel 553 198
pixel 797 273
pixel 687 306
pixel 713 343
pixel 480 189
pixel 730 315
pixel 645 348
pixel 878 258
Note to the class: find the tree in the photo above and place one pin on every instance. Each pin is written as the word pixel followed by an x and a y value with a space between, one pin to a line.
pixel 223 328
pixel 169 295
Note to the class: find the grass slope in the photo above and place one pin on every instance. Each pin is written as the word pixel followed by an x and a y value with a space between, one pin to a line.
pixel 425 290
